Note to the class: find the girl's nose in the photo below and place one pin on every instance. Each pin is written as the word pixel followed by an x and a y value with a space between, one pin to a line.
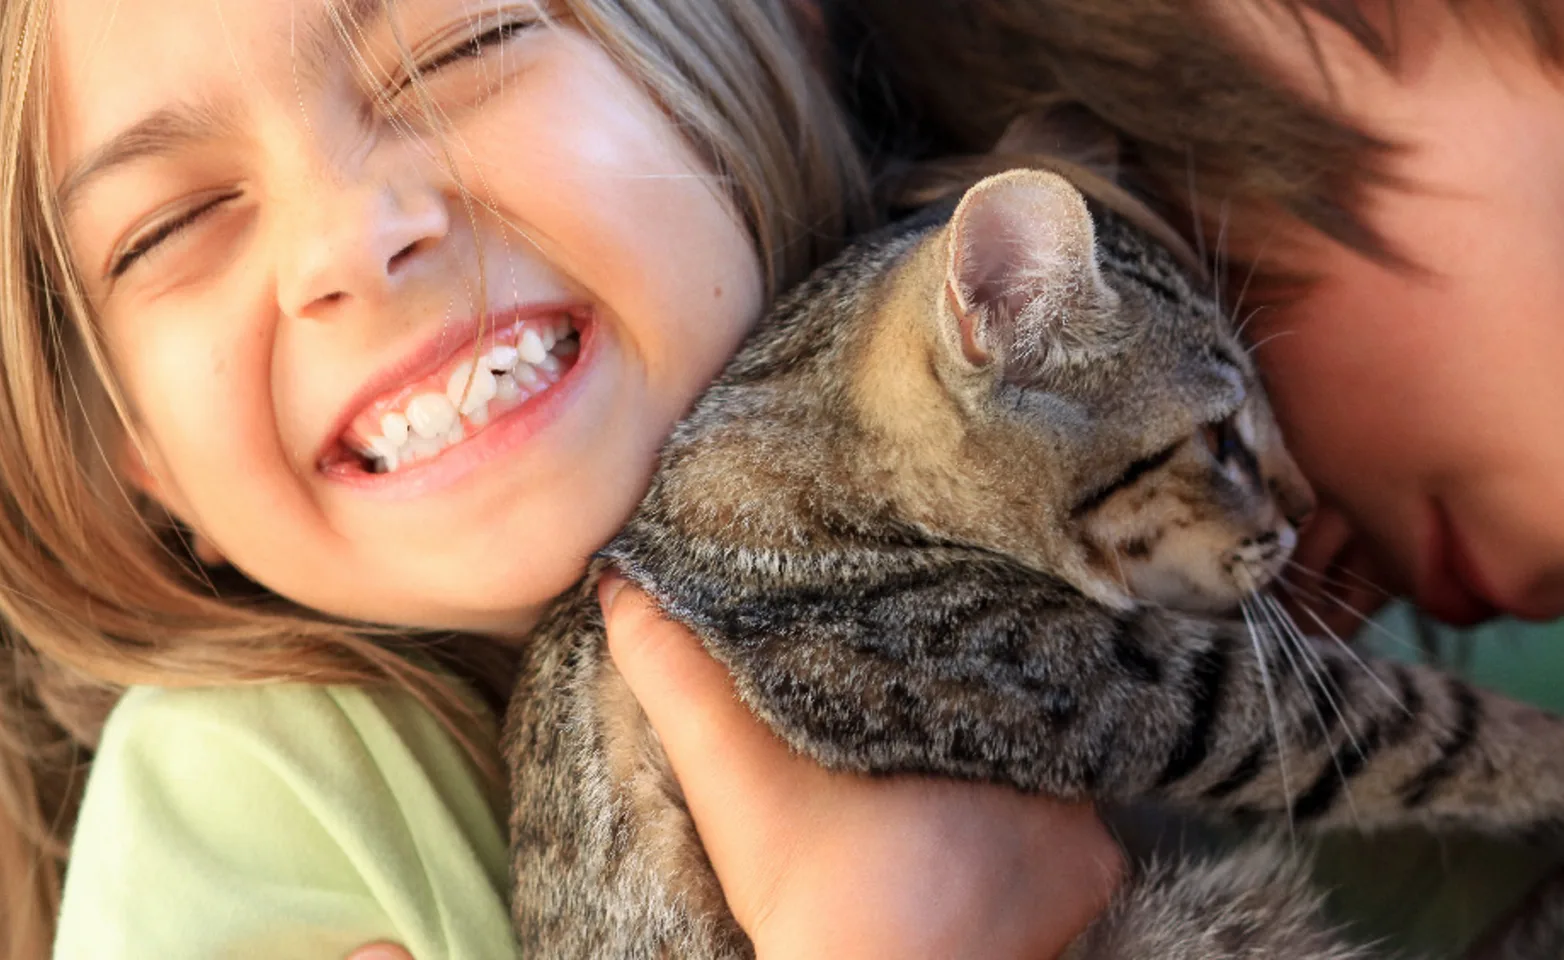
pixel 357 242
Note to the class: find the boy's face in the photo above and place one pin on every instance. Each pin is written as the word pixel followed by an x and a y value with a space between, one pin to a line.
pixel 279 267
pixel 1429 410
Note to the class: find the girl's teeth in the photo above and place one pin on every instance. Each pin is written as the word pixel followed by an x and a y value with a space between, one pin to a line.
pixel 527 376
pixel 470 389
pixel 385 448
pixel 502 357
pixel 394 426
pixel 431 415
pixel 531 347
pixel 507 374
pixel 421 448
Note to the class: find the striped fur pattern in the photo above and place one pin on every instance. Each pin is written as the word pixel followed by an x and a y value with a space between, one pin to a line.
pixel 978 501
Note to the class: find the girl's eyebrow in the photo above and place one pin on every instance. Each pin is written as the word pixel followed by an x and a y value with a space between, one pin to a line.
pixel 170 128
pixel 159 133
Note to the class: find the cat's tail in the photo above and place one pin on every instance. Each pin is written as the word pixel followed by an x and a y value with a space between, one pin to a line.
pixel 1255 903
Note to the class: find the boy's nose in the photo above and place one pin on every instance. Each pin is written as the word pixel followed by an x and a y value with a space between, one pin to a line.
pixel 356 242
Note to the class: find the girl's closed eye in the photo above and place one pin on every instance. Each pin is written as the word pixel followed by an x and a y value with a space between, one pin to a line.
pixel 470 48
pixel 169 229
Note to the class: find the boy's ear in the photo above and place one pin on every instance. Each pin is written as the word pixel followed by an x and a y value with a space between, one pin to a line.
pixel 145 477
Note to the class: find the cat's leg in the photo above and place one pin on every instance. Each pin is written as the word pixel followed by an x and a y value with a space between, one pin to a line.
pixel 980 670
pixel 605 861
pixel 1342 741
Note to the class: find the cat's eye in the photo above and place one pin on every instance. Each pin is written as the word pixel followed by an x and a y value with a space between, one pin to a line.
pixel 1221 438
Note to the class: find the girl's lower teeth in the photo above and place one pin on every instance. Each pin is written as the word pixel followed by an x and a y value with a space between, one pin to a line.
pixel 503 380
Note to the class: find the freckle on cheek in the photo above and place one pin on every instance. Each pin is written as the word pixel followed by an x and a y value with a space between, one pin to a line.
pixel 716 292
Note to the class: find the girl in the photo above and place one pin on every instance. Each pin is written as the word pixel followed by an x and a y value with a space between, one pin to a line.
pixel 250 248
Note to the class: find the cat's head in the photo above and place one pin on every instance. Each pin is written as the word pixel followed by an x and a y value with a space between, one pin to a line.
pixel 1095 415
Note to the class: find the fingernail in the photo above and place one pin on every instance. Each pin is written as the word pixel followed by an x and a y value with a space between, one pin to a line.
pixel 608 587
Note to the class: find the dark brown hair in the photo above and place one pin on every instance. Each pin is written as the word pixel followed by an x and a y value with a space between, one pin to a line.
pixel 1204 130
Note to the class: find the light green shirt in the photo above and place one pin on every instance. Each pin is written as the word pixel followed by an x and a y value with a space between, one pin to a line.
pixel 282 821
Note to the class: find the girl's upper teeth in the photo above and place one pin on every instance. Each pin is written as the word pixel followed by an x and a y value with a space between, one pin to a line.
pixel 502 357
pixel 394 427
pixel 431 415
pixel 506 374
pixel 470 389
pixel 531 347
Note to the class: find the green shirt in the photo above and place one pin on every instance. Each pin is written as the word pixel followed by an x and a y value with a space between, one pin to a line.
pixel 282 821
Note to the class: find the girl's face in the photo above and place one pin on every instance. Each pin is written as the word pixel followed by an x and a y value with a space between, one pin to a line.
pixel 1429 410
pixel 286 271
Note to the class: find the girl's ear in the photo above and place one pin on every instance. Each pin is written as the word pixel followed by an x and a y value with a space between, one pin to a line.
pixel 146 478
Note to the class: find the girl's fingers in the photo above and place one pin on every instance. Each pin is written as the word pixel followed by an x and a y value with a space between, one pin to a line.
pixel 725 760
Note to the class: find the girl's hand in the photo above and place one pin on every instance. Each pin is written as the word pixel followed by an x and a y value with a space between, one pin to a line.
pixel 815 863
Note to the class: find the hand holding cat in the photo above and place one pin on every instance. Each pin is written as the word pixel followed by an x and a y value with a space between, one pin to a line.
pixel 816 863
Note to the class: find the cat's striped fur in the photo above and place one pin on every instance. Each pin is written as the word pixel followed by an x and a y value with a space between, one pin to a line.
pixel 970 503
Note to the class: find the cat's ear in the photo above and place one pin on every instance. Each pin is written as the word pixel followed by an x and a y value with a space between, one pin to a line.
pixel 1022 272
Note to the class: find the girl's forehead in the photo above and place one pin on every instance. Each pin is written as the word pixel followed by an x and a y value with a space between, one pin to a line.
pixel 115 63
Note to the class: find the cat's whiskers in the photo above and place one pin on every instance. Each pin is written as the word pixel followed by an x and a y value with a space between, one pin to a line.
pixel 1304 594
pixel 1285 644
pixel 1248 318
pixel 1275 711
pixel 1327 684
pixel 1219 254
pixel 1243 292
pixel 1347 646
pixel 1254 348
pixel 1305 646
pixel 1196 226
pixel 1332 581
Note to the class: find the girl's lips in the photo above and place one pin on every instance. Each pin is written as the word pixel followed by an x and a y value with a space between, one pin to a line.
pixel 502 434
pixel 427 358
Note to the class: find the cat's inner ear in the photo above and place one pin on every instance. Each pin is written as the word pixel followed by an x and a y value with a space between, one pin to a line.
pixel 1022 257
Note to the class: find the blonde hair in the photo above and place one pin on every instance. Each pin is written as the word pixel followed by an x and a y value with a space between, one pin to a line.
pixel 99 591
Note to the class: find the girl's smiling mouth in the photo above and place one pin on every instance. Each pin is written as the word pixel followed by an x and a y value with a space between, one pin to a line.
pixel 444 397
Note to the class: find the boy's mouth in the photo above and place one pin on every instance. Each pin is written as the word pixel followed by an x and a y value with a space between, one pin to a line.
pixel 498 373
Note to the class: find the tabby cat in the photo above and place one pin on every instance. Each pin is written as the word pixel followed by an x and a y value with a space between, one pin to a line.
pixel 978 500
